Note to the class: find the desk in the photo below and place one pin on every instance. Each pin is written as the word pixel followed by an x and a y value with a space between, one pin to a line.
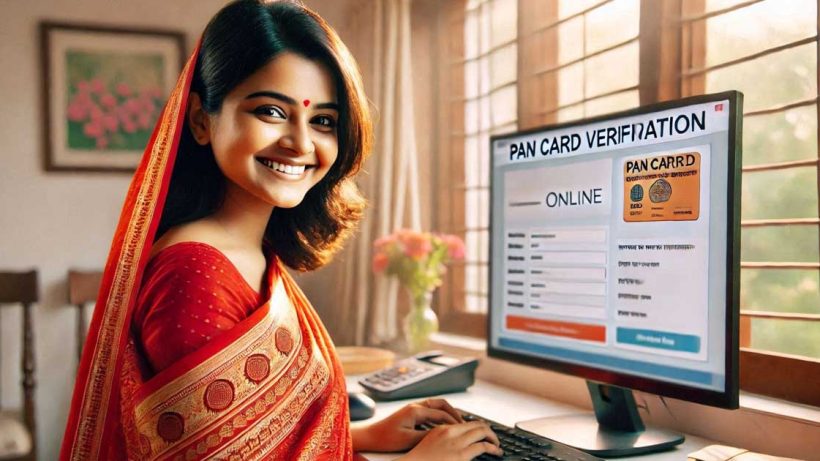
pixel 507 406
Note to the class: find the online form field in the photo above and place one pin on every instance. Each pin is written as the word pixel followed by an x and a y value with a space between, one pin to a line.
pixel 571 288
pixel 563 272
pixel 568 291
pixel 568 310
pixel 569 257
pixel 568 246
pixel 553 236
pixel 569 299
pixel 569 273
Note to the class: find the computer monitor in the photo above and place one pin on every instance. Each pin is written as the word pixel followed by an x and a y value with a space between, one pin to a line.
pixel 614 256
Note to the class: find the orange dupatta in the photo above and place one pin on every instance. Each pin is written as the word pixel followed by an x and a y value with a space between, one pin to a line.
pixel 270 388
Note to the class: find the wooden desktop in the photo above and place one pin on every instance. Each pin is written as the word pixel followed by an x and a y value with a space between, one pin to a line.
pixel 508 406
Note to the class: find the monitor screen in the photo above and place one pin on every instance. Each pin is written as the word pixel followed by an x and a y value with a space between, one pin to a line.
pixel 614 248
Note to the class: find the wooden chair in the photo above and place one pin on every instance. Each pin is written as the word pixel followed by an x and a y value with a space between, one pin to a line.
pixel 18 432
pixel 83 287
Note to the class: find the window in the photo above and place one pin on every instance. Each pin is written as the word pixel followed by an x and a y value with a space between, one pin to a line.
pixel 581 58
pixel 768 50
pixel 490 106
pixel 596 62
pixel 772 59
pixel 482 92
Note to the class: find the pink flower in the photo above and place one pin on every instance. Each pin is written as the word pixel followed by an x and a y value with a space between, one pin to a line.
pixel 403 236
pixel 122 114
pixel 384 242
pixel 144 121
pixel 123 90
pixel 417 259
pixel 380 262
pixel 102 142
pixel 97 85
pixel 83 99
pixel 96 112
pixel 133 106
pixel 129 126
pixel 108 100
pixel 148 105
pixel 93 129
pixel 76 111
pixel 455 246
pixel 416 245
pixel 83 87
pixel 110 122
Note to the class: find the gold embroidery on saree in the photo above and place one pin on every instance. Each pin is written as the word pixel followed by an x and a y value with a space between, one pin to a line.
pixel 269 431
pixel 320 442
pixel 261 413
pixel 246 443
pixel 227 358
pixel 188 395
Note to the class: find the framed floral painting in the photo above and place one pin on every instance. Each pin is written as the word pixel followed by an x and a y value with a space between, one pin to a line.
pixel 103 91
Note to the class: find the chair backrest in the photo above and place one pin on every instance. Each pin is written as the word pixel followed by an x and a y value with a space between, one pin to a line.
pixel 83 287
pixel 21 288
pixel 18 287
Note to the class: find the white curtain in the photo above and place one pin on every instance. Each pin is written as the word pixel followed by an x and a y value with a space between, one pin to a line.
pixel 391 182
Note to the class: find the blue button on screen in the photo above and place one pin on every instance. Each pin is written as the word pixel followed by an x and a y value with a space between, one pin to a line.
pixel 659 339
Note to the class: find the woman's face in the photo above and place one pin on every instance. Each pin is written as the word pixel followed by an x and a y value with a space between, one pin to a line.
pixel 275 136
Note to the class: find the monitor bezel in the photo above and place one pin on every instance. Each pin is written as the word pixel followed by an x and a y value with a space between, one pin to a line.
pixel 729 397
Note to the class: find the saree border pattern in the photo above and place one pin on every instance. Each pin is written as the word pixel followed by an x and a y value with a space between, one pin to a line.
pixel 224 408
pixel 95 403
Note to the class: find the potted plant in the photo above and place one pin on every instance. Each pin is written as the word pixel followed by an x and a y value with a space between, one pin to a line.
pixel 419 260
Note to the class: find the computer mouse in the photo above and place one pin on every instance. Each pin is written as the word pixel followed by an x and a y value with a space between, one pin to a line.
pixel 361 406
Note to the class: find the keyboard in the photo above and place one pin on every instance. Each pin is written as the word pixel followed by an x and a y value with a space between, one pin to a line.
pixel 520 445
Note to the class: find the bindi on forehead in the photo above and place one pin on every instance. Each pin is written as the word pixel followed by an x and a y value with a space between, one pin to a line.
pixel 306 102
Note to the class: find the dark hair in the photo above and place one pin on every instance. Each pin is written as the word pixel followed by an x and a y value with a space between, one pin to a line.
pixel 242 38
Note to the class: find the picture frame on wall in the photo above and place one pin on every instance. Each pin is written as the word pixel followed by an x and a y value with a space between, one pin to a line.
pixel 103 90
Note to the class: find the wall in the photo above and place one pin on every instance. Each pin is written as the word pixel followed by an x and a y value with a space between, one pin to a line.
pixel 54 221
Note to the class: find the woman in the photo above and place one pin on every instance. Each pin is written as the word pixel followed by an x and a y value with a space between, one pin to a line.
pixel 205 347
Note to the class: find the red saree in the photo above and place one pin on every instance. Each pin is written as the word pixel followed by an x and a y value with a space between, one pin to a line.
pixel 191 293
pixel 271 387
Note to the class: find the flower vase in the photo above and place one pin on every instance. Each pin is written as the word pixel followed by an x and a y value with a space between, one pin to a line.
pixel 420 322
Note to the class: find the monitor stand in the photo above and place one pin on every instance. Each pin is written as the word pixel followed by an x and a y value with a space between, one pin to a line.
pixel 615 430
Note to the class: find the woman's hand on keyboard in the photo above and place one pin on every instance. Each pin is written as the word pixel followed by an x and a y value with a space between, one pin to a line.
pixel 456 442
pixel 399 431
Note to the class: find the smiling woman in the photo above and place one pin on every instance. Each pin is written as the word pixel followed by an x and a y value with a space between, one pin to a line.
pixel 293 62
pixel 202 345
pixel 272 149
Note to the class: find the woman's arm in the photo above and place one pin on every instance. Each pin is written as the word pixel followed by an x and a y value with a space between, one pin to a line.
pixel 449 442
pixel 398 431
pixel 453 439
pixel 362 441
